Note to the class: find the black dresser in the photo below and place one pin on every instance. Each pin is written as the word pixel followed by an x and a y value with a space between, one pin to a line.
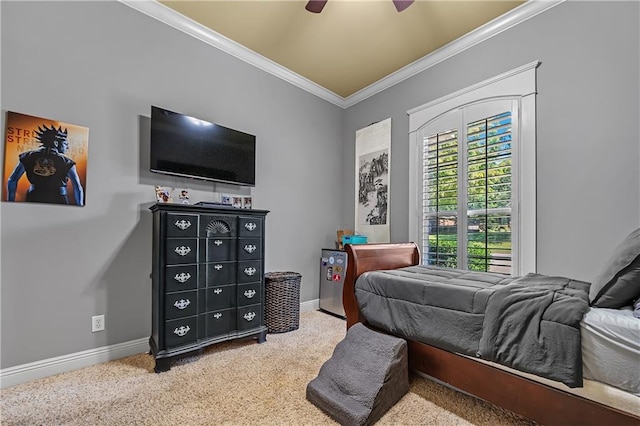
pixel 207 278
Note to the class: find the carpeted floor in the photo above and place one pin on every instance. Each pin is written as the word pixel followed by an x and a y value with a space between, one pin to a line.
pixel 232 383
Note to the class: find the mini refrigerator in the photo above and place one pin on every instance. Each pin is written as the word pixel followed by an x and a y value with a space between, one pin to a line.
pixel 333 268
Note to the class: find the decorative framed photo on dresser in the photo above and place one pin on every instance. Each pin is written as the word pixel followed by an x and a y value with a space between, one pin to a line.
pixel 164 194
pixel 246 202
pixel 226 199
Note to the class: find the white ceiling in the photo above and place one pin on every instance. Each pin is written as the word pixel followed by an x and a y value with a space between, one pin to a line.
pixel 354 48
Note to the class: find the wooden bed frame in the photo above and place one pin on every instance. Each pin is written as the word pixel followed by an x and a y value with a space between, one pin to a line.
pixel 539 402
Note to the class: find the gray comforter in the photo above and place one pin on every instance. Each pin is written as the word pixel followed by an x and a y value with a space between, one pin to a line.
pixel 531 323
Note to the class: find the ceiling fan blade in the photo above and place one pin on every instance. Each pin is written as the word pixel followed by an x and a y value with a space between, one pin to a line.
pixel 315 6
pixel 401 4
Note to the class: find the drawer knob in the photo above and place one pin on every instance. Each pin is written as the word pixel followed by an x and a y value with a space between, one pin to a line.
pixel 250 226
pixel 217 315
pixel 250 248
pixel 182 250
pixel 217 291
pixel 249 294
pixel 250 271
pixel 182 330
pixel 249 316
pixel 182 224
pixel 217 242
pixel 182 303
pixel 182 277
pixel 217 267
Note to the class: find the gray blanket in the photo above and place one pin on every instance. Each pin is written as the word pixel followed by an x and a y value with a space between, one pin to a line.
pixel 530 323
pixel 533 325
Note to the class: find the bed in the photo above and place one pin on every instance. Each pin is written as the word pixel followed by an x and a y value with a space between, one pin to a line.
pixel 590 399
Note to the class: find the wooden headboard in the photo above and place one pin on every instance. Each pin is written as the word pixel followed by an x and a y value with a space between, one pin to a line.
pixel 368 257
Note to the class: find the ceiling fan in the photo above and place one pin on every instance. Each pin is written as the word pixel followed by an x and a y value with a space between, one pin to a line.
pixel 316 6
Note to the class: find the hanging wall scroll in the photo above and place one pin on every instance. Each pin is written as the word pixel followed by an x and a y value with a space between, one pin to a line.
pixel 373 158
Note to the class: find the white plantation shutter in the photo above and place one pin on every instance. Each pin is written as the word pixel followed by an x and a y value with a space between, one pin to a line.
pixel 440 197
pixel 467 188
pixel 489 193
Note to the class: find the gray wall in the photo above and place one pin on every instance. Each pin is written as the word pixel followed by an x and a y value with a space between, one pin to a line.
pixel 588 184
pixel 102 65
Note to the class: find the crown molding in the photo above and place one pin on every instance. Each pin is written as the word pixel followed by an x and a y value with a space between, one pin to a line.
pixel 180 22
pixel 502 23
pixel 172 18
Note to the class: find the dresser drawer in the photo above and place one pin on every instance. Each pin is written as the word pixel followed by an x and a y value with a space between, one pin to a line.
pixel 217 273
pixel 249 294
pixel 218 249
pixel 181 250
pixel 181 225
pixel 219 322
pixel 179 278
pixel 180 304
pixel 249 271
pixel 249 317
pixel 180 332
pixel 216 226
pixel 250 227
pixel 249 248
pixel 215 298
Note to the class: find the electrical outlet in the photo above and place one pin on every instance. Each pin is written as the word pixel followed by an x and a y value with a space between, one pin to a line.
pixel 97 323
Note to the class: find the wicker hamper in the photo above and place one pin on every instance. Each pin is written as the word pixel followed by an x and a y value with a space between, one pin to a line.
pixel 282 301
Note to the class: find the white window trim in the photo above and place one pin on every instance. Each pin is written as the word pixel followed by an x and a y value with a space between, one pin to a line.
pixel 518 83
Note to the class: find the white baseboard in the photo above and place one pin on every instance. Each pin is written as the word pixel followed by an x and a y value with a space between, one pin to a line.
pixel 49 367
pixel 311 305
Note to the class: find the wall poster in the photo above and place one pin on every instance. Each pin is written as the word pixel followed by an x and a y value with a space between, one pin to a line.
pixel 373 158
pixel 45 161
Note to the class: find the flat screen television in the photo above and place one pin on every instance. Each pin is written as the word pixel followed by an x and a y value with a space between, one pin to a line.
pixel 187 146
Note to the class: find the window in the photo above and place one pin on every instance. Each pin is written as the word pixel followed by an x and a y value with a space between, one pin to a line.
pixel 467 190
pixel 473 176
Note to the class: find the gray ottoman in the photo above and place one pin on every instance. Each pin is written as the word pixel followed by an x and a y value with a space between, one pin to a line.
pixel 366 375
